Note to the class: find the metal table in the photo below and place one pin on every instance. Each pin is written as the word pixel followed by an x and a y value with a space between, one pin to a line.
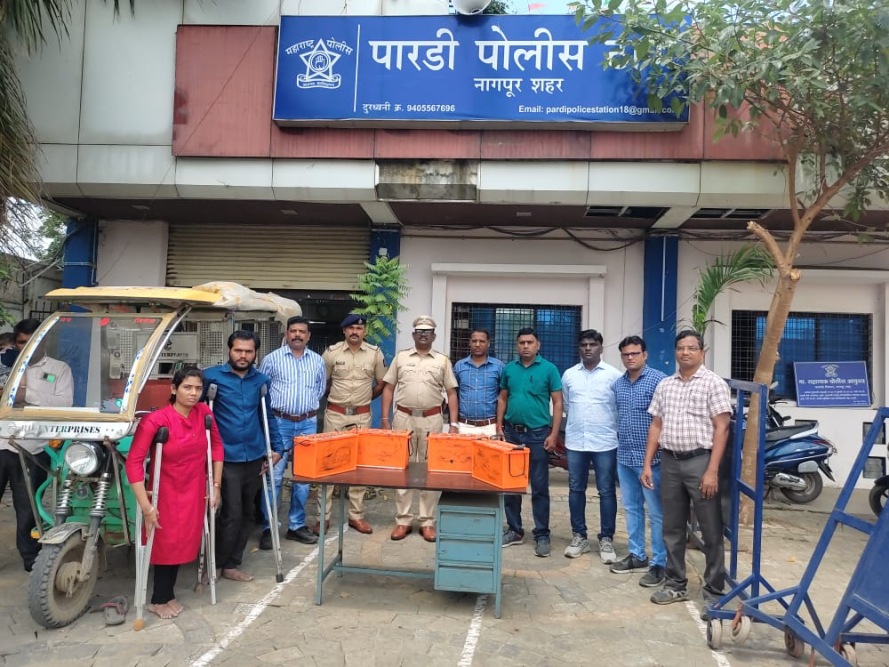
pixel 415 476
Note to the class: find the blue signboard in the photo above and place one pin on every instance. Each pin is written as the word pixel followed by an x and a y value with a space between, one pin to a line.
pixel 449 71
pixel 832 384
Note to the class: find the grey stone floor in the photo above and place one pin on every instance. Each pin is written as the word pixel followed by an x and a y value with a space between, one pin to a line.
pixel 556 611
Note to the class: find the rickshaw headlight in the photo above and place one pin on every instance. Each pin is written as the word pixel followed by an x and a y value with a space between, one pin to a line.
pixel 83 458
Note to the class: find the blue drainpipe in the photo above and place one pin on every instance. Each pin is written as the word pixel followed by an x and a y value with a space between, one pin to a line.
pixel 387 242
pixel 81 252
pixel 659 301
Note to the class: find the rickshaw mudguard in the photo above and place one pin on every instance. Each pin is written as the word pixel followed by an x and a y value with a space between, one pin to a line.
pixel 60 534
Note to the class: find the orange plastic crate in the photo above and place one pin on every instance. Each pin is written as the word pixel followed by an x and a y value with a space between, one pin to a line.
pixel 379 448
pixel 450 452
pixel 325 454
pixel 501 464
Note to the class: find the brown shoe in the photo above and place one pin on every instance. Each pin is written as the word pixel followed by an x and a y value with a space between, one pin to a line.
pixel 400 532
pixel 317 528
pixel 428 533
pixel 361 526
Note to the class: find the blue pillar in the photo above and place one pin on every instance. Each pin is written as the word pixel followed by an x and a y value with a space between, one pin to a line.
pixel 386 242
pixel 81 250
pixel 659 301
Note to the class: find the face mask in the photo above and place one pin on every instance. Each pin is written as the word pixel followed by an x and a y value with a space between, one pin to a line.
pixel 8 357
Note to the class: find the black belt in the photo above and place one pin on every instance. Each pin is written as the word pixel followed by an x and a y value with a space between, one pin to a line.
pixel 520 428
pixel 295 418
pixel 683 456
pixel 479 422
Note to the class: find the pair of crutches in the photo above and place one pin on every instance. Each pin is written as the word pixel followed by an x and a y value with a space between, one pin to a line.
pixel 143 551
pixel 268 489
pixel 208 542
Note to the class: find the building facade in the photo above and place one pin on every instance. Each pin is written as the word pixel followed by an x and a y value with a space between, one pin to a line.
pixel 158 128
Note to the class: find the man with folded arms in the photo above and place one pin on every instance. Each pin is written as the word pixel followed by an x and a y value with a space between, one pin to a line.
pixel 478 377
pixel 297 384
pixel 418 379
pixel 355 370
pixel 690 419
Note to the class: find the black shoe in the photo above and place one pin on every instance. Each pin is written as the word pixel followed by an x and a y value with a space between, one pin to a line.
pixel 629 563
pixel 29 565
pixel 654 577
pixel 303 534
pixel 265 541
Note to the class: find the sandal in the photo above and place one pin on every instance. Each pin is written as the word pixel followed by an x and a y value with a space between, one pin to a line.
pixel 115 610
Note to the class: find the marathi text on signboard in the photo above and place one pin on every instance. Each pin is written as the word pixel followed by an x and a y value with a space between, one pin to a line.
pixel 837 384
pixel 451 71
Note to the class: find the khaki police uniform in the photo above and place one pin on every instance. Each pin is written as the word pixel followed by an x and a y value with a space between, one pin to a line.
pixel 351 375
pixel 421 381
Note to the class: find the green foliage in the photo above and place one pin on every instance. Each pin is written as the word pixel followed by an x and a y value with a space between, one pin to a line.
pixel 498 7
pixel 812 75
pixel 749 263
pixel 52 233
pixel 383 287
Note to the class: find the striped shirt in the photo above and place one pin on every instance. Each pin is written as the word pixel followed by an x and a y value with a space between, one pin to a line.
pixel 297 384
pixel 687 408
pixel 478 387
pixel 588 400
pixel 633 420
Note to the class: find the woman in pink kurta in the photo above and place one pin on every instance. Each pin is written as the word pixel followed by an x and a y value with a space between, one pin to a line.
pixel 177 515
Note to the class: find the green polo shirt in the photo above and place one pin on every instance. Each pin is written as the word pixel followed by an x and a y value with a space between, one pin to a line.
pixel 530 390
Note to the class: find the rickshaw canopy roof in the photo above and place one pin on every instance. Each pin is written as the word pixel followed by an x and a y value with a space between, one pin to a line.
pixel 217 295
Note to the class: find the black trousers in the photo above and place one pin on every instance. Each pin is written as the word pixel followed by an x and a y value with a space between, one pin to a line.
pixel 11 474
pixel 680 484
pixel 240 482
pixel 164 583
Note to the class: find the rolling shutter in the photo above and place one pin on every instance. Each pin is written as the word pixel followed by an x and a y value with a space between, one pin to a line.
pixel 267 257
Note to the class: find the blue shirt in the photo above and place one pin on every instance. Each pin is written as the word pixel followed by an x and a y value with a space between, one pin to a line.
pixel 633 420
pixel 297 384
pixel 238 414
pixel 478 387
pixel 589 403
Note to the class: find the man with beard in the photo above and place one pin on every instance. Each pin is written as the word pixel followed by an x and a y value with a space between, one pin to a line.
pixel 238 414
pixel 355 372
pixel 298 382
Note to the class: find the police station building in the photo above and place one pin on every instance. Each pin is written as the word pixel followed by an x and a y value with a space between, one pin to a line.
pixel 283 144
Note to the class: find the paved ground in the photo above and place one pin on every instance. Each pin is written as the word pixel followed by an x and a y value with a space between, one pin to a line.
pixel 556 611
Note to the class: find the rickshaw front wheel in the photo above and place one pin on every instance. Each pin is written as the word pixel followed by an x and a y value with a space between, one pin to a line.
pixel 55 596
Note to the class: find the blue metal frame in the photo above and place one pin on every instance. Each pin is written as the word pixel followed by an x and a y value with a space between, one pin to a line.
pixel 857 600
pixel 748 589
pixel 831 644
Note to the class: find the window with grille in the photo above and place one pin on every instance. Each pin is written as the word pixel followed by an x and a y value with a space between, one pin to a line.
pixel 807 337
pixel 557 328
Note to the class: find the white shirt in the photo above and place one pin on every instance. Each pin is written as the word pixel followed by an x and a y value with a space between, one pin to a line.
pixel 592 411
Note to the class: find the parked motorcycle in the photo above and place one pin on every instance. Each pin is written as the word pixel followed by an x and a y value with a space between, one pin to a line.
pixel 878 494
pixel 795 457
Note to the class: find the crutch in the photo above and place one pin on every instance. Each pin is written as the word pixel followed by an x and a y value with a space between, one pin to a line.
pixel 268 489
pixel 208 543
pixel 143 552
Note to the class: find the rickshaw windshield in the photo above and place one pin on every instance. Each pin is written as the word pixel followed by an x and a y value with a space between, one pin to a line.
pixel 82 362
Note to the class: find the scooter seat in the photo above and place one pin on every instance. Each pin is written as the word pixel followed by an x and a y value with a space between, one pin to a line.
pixel 775 435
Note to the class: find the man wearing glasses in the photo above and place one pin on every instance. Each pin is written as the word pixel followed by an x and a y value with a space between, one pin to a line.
pixel 690 419
pixel 419 377
pixel 633 392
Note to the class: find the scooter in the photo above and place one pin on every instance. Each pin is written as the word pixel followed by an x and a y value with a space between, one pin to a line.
pixel 796 457
pixel 879 493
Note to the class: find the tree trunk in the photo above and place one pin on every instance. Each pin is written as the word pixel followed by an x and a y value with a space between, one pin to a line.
pixel 765 371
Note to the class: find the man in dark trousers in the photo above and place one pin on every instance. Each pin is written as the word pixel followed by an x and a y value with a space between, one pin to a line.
pixel 238 415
